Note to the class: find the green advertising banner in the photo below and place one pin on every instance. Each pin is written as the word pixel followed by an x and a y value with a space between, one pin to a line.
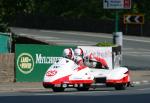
pixel 32 60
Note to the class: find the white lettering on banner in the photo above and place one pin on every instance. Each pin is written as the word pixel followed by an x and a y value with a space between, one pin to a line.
pixel 103 52
pixel 45 60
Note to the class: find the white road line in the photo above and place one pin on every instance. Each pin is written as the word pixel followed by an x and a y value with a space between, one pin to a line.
pixel 141 82
pixel 77 44
pixel 137 52
pixel 139 49
pixel 146 41
pixel 46 37
pixel 145 81
pixel 102 35
pixel 23 34
pixel 137 55
pixel 79 33
pixel 60 40
pixel 83 44
pixel 71 41
pixel 144 89
pixel 74 43
pixel 136 82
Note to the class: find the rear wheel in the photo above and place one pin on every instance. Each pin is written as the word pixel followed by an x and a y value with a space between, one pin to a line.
pixel 84 88
pixel 58 89
pixel 121 86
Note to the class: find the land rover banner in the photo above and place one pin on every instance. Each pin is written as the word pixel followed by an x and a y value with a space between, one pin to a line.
pixel 32 60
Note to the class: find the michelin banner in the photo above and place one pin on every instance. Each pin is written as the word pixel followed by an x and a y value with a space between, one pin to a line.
pixel 111 55
pixel 102 52
pixel 32 60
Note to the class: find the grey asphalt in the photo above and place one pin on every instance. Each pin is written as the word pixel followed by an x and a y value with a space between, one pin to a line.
pixel 138 98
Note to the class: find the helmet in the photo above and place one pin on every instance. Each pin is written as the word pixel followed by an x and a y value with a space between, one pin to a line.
pixel 90 61
pixel 78 52
pixel 78 59
pixel 68 53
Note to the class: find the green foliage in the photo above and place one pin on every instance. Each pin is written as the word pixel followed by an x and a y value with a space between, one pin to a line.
pixel 67 8
pixel 135 8
pixel 105 44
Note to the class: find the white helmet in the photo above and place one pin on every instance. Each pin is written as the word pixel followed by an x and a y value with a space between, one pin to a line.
pixel 68 53
pixel 78 52
pixel 77 59
pixel 90 60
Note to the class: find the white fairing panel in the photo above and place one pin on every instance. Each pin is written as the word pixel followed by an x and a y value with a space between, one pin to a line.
pixel 99 72
pixel 114 74
pixel 64 68
pixel 118 73
pixel 82 75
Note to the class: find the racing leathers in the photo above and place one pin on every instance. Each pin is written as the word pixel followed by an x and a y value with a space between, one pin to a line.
pixel 79 60
pixel 96 62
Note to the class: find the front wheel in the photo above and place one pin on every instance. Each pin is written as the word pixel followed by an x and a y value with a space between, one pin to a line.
pixel 121 86
pixel 58 89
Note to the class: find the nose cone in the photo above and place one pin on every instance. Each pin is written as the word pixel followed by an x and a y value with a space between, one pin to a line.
pixel 50 75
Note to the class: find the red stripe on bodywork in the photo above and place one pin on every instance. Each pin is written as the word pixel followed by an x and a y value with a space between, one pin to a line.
pixel 80 81
pixel 60 80
pixel 123 80
pixel 67 81
pixel 80 68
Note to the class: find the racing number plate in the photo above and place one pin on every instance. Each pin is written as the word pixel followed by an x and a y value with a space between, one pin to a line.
pixel 51 73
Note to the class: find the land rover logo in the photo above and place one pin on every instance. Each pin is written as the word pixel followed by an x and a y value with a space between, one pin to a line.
pixel 25 63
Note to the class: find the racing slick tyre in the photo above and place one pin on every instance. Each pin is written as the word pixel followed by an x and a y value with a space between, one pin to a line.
pixel 121 86
pixel 84 88
pixel 58 89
